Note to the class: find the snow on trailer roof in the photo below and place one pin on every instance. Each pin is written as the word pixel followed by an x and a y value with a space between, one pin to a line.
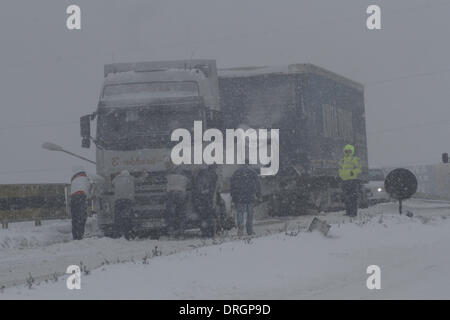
pixel 287 69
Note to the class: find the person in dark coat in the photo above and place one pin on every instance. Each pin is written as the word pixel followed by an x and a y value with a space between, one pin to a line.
pixel 177 185
pixel 204 195
pixel 245 188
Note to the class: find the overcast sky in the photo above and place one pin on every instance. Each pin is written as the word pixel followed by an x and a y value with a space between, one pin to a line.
pixel 50 76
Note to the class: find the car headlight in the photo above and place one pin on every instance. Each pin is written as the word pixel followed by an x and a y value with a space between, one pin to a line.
pixel 379 189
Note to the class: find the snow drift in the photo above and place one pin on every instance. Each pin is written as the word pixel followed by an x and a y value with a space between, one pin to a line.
pixel 410 252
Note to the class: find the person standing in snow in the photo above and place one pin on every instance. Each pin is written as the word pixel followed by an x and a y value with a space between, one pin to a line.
pixel 79 193
pixel 177 183
pixel 124 197
pixel 204 196
pixel 349 169
pixel 245 187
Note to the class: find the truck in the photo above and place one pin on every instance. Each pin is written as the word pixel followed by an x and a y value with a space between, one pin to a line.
pixel 140 104
pixel 317 112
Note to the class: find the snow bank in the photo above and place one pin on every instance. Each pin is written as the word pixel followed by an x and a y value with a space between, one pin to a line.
pixel 411 254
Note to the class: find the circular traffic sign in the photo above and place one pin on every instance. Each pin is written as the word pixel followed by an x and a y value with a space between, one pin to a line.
pixel 400 184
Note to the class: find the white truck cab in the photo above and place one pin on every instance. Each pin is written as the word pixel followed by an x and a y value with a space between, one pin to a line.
pixel 140 105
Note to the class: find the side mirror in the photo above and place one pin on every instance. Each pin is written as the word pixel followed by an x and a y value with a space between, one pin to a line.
pixel 445 157
pixel 86 143
pixel 85 130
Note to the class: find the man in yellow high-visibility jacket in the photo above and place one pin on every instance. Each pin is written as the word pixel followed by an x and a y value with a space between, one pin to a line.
pixel 349 169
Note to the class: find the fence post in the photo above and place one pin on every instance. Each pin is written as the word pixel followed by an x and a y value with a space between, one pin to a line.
pixel 4 225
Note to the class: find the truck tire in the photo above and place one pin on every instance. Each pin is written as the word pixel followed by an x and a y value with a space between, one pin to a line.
pixel 225 222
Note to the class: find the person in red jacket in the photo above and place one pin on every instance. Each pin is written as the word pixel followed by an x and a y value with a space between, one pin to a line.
pixel 79 192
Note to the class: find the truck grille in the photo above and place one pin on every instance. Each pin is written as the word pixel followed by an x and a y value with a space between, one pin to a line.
pixel 151 196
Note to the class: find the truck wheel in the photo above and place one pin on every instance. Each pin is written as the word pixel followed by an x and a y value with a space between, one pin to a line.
pixel 208 227
pixel 108 231
pixel 225 221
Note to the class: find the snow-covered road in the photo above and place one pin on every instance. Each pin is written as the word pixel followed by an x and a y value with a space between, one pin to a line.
pixel 46 251
pixel 411 252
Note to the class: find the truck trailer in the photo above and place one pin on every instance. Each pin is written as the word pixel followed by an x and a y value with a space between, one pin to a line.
pixel 317 112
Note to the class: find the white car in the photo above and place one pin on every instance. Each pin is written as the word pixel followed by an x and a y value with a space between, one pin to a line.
pixel 375 187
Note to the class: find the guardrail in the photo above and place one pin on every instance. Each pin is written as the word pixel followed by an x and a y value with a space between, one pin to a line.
pixel 428 196
pixel 33 202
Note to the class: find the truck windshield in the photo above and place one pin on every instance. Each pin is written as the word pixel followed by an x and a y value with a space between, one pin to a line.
pixel 150 90
pixel 134 129
pixel 376 175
